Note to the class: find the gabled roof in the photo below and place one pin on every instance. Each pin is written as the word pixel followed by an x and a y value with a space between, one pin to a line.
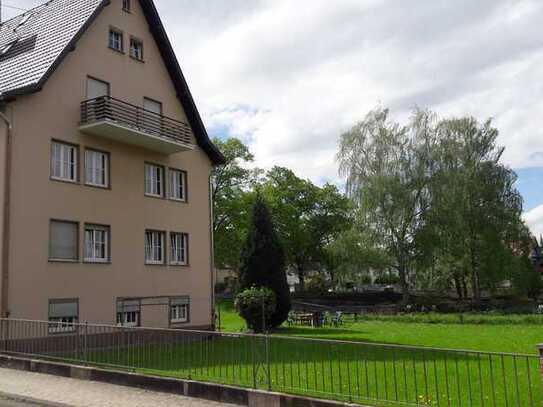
pixel 41 38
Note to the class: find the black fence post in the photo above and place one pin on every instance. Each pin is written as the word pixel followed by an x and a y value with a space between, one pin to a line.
pixel 85 343
pixel 4 339
pixel 267 356
pixel 540 352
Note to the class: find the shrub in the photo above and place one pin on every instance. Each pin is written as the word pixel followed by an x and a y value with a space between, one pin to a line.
pixel 250 304
pixel 317 284
pixel 387 279
pixel 262 261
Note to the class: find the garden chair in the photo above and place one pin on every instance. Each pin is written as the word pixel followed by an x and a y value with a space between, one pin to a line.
pixel 291 319
pixel 337 319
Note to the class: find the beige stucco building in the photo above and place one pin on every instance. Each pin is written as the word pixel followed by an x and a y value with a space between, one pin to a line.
pixel 105 171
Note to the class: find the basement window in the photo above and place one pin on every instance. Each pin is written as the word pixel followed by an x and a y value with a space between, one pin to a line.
pixel 179 310
pixel 128 313
pixel 63 315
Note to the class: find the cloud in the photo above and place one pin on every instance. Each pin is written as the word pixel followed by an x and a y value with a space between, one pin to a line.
pixel 534 220
pixel 289 77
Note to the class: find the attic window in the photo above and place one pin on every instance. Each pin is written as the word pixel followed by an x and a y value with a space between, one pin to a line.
pixel 115 40
pixel 126 5
pixel 24 20
pixel 5 49
pixel 136 49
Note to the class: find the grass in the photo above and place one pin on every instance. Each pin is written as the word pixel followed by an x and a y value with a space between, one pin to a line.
pixel 453 378
pixel 359 372
pixel 479 332
pixel 374 368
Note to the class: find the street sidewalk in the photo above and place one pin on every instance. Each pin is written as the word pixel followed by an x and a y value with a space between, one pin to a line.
pixel 83 393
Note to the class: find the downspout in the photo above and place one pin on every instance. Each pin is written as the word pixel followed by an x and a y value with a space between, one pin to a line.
pixel 4 313
pixel 212 252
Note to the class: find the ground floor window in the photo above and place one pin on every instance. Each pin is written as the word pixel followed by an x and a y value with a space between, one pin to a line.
pixel 129 313
pixel 63 315
pixel 179 310
pixel 128 318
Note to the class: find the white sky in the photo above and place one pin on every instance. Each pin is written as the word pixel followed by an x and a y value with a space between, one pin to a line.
pixel 289 76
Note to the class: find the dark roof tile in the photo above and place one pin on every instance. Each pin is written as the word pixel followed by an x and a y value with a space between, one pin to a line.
pixel 40 40
pixel 46 33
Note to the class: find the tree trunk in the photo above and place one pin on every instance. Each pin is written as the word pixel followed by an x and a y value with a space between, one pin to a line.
pixel 332 279
pixel 457 286
pixel 476 290
pixel 301 277
pixel 464 287
pixel 402 272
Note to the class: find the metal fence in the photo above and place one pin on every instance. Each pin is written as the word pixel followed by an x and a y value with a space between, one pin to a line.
pixel 376 374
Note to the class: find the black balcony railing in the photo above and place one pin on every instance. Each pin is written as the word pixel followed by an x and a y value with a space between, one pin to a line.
pixel 107 108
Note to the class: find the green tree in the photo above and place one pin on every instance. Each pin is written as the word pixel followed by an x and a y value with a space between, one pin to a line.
pixel 475 220
pixel 351 257
pixel 387 169
pixel 262 262
pixel 232 199
pixel 308 217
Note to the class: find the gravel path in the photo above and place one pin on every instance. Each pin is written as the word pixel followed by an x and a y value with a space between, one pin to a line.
pixel 83 393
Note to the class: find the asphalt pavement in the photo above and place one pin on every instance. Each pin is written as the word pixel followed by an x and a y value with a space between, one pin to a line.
pixel 28 389
pixel 14 401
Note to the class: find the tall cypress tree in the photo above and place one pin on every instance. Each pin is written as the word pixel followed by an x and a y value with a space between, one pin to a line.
pixel 262 261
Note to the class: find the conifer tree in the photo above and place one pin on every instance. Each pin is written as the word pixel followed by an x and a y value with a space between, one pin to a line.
pixel 262 262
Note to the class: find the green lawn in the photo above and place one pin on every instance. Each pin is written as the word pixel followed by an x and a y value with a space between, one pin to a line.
pixel 490 337
pixel 374 367
pixel 380 375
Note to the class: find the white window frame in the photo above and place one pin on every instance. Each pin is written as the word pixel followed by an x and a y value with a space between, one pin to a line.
pixel 92 232
pixel 128 318
pixel 64 168
pixel 154 246
pixel 179 248
pixel 115 43
pixel 178 185
pixel 179 313
pixel 136 48
pixel 92 172
pixel 154 180
pixel 62 324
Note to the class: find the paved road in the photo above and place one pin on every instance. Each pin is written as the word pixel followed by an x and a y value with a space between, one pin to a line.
pixel 60 391
pixel 13 401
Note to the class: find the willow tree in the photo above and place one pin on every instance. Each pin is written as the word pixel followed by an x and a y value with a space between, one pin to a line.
pixel 476 209
pixel 388 169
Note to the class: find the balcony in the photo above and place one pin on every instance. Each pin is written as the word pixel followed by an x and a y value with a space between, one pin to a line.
pixel 120 121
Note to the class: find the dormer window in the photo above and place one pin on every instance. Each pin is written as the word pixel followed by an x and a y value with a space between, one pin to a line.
pixel 23 20
pixel 136 49
pixel 126 5
pixel 115 41
pixel 5 49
